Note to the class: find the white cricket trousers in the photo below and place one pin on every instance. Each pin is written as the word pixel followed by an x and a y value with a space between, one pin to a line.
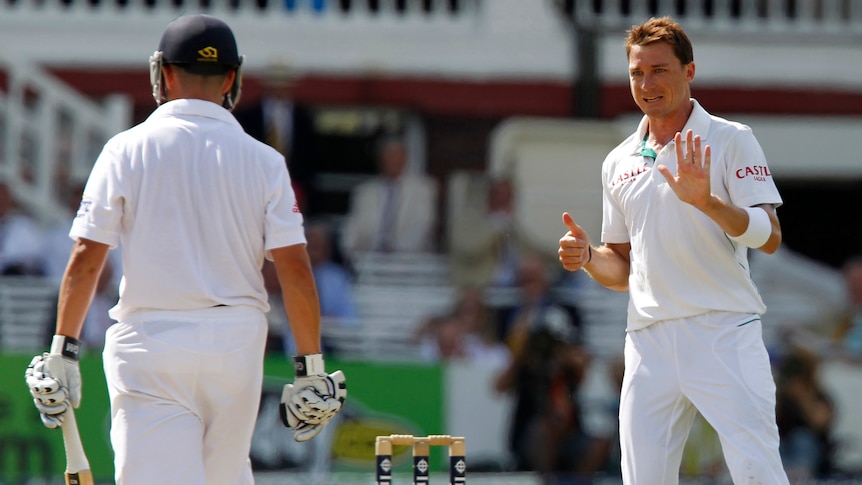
pixel 716 364
pixel 185 389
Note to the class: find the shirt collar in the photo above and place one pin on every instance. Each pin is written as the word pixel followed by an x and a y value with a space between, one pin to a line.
pixel 195 107
pixel 698 122
pixel 637 140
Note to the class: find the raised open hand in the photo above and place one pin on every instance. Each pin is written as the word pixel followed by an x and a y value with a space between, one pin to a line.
pixel 691 183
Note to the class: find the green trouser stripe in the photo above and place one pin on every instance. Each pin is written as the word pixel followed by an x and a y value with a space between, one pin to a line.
pixel 746 323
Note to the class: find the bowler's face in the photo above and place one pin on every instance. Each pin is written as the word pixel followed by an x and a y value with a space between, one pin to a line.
pixel 659 81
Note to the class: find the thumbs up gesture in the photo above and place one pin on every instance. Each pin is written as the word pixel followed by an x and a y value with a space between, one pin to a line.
pixel 574 249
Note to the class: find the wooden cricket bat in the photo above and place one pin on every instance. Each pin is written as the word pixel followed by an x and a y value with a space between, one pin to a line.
pixel 77 466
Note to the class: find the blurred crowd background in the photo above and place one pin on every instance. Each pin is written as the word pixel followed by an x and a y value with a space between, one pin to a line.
pixel 434 145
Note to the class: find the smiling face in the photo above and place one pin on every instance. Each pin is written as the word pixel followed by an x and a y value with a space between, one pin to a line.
pixel 660 81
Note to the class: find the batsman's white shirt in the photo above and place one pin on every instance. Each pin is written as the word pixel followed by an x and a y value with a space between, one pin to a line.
pixel 682 263
pixel 196 203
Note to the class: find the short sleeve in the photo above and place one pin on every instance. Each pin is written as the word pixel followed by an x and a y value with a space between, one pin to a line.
pixel 283 219
pixel 614 229
pixel 748 178
pixel 101 211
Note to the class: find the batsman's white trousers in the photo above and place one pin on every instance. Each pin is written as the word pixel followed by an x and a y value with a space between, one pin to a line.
pixel 714 363
pixel 185 389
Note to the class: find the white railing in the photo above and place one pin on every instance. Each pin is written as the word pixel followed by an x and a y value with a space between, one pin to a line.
pixel 50 136
pixel 472 38
pixel 124 32
pixel 769 16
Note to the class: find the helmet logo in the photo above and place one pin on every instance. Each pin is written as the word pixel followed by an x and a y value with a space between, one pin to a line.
pixel 208 54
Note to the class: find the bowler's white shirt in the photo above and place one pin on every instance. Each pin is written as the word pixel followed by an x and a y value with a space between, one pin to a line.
pixel 196 203
pixel 682 262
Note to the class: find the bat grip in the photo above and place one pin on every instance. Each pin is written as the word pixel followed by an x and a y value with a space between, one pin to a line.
pixel 76 459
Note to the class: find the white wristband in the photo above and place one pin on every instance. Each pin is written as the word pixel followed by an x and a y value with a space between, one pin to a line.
pixel 759 228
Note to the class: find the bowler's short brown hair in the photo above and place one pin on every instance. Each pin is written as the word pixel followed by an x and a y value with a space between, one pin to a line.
pixel 663 29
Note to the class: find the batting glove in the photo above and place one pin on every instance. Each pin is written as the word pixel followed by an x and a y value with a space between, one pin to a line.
pixel 54 379
pixel 293 405
pixel 313 399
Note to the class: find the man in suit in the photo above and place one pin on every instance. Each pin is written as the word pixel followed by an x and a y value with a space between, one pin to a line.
pixel 393 212
pixel 286 125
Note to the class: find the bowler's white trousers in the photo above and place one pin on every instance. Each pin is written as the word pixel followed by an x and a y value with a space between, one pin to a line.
pixel 185 389
pixel 715 363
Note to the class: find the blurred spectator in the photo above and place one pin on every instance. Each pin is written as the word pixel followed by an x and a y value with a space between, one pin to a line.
pixel 479 317
pixel 466 334
pixel 804 413
pixel 443 338
pixel 849 334
pixel 393 212
pixel 334 281
pixel 548 366
pixel 281 122
pixel 334 288
pixel 21 239
pixel 535 305
pixel 486 242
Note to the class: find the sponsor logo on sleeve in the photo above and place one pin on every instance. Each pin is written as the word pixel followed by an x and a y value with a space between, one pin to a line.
pixel 84 208
pixel 758 172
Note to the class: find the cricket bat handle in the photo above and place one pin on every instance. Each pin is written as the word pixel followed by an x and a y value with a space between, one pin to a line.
pixel 77 466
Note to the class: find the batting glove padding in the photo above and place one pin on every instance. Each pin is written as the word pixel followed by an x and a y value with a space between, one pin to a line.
pixel 311 401
pixel 306 411
pixel 54 380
